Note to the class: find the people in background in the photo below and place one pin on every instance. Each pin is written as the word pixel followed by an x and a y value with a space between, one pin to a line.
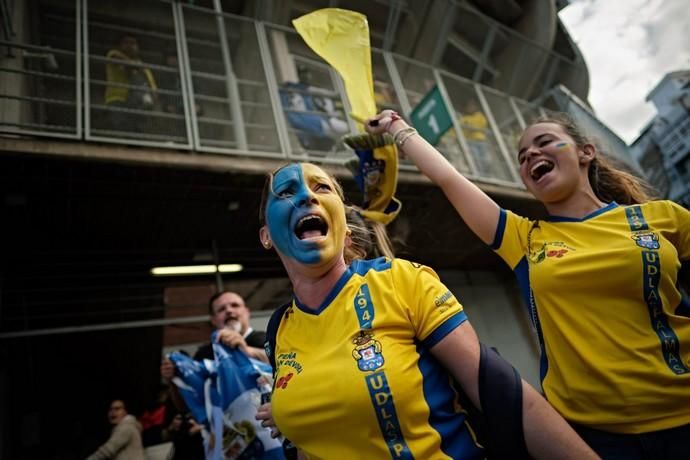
pixel 125 440
pixel 230 316
pixel 130 85
pixel 600 280
pixel 312 113
pixel 474 127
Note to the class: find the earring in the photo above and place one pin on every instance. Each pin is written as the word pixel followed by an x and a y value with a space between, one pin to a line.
pixel 267 244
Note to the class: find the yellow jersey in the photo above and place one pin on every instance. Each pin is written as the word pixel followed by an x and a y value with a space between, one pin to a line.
pixel 355 378
pixel 613 326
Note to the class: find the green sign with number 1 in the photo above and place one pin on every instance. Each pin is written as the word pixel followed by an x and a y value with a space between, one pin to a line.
pixel 431 117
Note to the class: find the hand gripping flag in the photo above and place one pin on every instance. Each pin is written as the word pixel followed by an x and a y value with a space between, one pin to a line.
pixel 223 396
pixel 376 175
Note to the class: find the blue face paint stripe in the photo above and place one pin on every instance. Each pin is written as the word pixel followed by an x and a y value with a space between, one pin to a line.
pixel 651 275
pixel 382 401
pixel 282 212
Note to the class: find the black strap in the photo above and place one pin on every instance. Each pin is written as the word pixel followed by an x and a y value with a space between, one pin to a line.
pixel 272 333
pixel 289 449
pixel 500 395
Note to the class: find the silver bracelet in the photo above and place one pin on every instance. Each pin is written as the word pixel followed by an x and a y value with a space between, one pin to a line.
pixel 404 138
pixel 402 133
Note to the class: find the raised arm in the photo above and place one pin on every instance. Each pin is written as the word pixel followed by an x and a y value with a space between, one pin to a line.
pixel 476 208
pixel 547 434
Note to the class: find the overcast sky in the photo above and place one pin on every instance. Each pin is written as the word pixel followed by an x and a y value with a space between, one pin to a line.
pixel 628 45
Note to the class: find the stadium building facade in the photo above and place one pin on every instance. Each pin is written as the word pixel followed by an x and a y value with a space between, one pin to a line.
pixel 114 161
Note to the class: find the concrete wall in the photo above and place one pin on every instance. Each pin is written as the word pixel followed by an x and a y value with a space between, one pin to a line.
pixel 496 312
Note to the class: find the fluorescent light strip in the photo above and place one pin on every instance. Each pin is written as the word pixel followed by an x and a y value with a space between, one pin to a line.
pixel 230 268
pixel 195 270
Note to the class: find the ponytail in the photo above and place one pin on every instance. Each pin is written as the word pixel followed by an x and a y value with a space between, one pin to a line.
pixel 613 184
pixel 368 238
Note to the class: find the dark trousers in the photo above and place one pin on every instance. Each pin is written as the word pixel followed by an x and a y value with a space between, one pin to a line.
pixel 671 444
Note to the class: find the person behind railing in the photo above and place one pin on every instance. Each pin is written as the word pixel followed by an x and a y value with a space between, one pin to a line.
pixel 130 85
pixel 312 112
pixel 474 126
pixel 366 349
pixel 170 81
pixel 601 279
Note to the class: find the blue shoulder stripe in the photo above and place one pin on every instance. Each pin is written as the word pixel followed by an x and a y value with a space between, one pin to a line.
pixel 361 267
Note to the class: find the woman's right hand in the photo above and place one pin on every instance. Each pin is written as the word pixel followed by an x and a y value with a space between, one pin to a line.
pixel 265 414
pixel 385 121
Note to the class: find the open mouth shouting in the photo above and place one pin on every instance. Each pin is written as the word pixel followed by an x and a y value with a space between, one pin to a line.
pixel 540 168
pixel 311 227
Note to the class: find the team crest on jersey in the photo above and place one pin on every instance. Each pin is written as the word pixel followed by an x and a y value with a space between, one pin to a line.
pixel 646 240
pixel 367 351
pixel 550 249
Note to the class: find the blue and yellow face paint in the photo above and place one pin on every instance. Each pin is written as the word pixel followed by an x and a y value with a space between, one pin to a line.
pixel 561 145
pixel 302 192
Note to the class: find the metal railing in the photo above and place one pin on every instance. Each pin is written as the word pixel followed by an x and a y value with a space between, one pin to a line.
pixel 225 84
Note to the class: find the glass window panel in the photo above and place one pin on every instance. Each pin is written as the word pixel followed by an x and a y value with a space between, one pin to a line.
pixel 311 103
pixel 417 81
pixel 134 76
pixel 38 80
pixel 507 121
pixel 478 134
pixel 384 92
pixel 233 111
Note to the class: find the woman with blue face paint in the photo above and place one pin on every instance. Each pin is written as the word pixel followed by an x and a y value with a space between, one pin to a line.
pixel 364 351
pixel 600 279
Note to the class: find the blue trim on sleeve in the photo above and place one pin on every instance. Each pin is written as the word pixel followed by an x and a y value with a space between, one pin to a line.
pixel 445 328
pixel 608 207
pixel 500 229
pixel 456 440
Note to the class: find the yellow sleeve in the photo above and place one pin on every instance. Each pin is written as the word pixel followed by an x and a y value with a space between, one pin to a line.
pixel 433 310
pixel 681 218
pixel 510 240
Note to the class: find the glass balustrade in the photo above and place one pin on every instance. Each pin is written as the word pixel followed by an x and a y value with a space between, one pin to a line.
pixel 185 76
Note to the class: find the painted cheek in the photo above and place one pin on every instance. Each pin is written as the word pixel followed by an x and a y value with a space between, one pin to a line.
pixel 280 213
pixel 336 210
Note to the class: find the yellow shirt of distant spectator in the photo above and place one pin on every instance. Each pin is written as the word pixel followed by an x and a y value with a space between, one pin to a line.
pixel 355 378
pixel 119 73
pixel 474 126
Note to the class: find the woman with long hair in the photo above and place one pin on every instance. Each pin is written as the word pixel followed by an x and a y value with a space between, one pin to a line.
pixel 600 278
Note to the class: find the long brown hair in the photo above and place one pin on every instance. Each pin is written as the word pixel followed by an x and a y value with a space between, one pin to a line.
pixel 608 180
pixel 369 239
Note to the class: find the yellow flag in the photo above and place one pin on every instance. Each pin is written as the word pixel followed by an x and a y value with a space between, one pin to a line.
pixel 341 38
